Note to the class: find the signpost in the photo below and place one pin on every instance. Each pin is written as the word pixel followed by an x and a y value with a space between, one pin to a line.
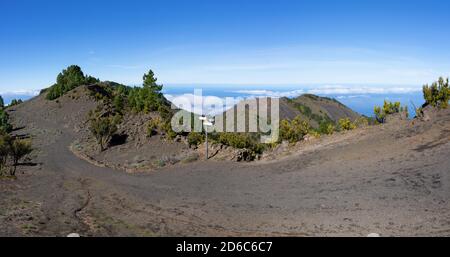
pixel 206 123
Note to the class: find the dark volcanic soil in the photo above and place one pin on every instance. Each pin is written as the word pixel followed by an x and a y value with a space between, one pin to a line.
pixel 392 179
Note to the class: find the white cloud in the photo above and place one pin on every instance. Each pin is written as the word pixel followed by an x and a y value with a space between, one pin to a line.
pixel 355 91
pixel 351 96
pixel 20 92
pixel 270 93
pixel 345 90
pixel 199 104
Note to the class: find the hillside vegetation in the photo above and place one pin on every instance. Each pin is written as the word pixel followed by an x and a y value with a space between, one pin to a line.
pixel 303 117
pixel 68 79
pixel 438 94
pixel 12 148
pixel 116 100
pixel 315 109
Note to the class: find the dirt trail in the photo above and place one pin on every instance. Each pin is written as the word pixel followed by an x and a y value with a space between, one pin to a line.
pixel 392 180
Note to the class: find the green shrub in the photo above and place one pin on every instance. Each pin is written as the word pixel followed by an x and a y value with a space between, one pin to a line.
pixel 346 124
pixel 16 102
pixel 14 149
pixel 167 128
pixel 119 101
pixel 103 128
pixel 153 126
pixel 101 92
pixel 165 112
pixel 18 149
pixel 5 126
pixel 157 125
pixel 195 138
pixel 362 122
pixel 240 141
pixel 327 128
pixel 295 130
pixel 314 133
pixel 388 109
pixel 437 95
pixel 4 150
pixel 391 108
pixel 236 140
pixel 419 112
pixel 2 103
pixel 379 114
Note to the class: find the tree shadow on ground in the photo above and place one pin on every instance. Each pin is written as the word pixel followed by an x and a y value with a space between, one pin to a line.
pixel 118 139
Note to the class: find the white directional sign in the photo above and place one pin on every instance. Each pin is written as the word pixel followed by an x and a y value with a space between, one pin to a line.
pixel 206 122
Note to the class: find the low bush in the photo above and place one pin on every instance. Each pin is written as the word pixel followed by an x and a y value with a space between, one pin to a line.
pixel 5 126
pixel 195 138
pixel 295 130
pixel 314 134
pixel 119 98
pixel 103 128
pixel 18 150
pixel 157 125
pixel 4 150
pixel 327 128
pixel 240 141
pixel 345 124
pixel 13 149
pixel 153 126
pixel 388 109
pixel 362 122
pixel 167 129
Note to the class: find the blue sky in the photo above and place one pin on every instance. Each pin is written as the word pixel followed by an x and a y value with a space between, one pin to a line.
pixel 226 42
